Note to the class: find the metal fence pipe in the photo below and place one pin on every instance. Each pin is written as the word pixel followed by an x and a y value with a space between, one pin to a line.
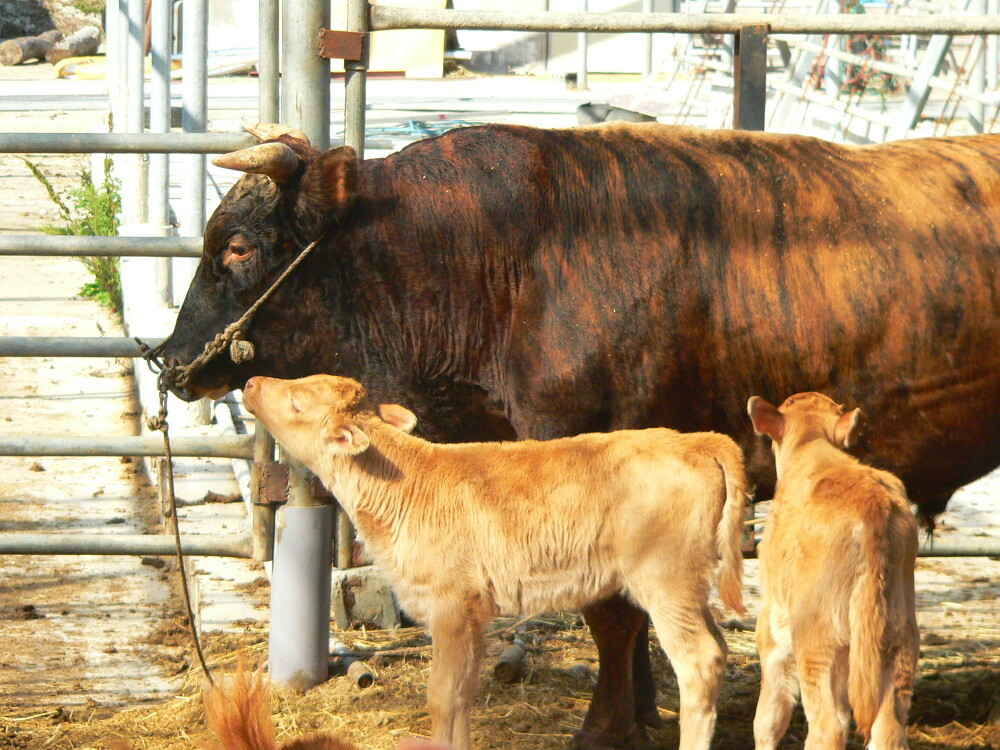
pixel 386 17
pixel 217 447
pixel 262 513
pixel 77 346
pixel 124 143
pixel 305 76
pixel 268 103
pixel 194 119
pixel 201 545
pixel 143 247
pixel 956 547
pixel 961 547
pixel 355 80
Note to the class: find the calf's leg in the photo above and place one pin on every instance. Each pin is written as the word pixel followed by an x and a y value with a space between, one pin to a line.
pixel 610 722
pixel 889 729
pixel 778 684
pixel 822 669
pixel 457 651
pixel 697 651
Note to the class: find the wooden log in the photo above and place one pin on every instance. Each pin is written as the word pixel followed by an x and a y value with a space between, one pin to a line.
pixel 511 661
pixel 27 48
pixel 80 43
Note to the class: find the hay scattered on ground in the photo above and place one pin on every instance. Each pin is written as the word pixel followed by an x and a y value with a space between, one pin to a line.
pixel 955 705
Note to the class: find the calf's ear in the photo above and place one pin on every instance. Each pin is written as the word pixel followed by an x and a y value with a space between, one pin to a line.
pixel 398 416
pixel 330 184
pixel 344 436
pixel 766 418
pixel 845 433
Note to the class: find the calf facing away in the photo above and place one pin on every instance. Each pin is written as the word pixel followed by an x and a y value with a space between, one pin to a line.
pixel 836 561
pixel 466 532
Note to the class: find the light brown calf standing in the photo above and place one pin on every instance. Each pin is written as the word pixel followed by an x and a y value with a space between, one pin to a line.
pixel 836 561
pixel 467 532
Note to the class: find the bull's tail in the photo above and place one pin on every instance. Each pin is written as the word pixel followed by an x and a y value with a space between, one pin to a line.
pixel 238 711
pixel 729 532
pixel 867 617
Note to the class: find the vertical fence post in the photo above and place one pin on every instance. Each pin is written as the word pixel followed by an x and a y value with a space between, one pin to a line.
pixel 268 109
pixel 263 511
pixel 305 76
pixel 135 180
pixel 161 44
pixel 299 644
pixel 749 78
pixel 194 119
pixel 300 582
pixel 356 79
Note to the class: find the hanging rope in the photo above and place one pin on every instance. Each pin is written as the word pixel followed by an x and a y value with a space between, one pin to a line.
pixel 159 423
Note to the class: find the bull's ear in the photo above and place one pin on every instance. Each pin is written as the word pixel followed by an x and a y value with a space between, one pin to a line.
pixel 845 433
pixel 766 418
pixel 344 436
pixel 398 416
pixel 330 184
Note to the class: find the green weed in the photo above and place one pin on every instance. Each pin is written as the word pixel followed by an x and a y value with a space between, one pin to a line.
pixel 90 210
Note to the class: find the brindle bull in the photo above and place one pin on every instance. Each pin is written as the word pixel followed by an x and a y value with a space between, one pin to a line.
pixel 504 281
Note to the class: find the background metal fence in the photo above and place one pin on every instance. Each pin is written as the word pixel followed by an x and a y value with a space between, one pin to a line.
pixel 300 97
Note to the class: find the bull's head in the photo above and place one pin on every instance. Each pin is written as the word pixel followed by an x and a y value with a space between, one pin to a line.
pixel 291 195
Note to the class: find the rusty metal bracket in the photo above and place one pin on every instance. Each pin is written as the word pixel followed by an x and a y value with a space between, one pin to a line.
pixel 270 482
pixel 342 45
pixel 749 78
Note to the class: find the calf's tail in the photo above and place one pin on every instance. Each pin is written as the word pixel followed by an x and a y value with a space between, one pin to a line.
pixel 729 532
pixel 238 711
pixel 867 617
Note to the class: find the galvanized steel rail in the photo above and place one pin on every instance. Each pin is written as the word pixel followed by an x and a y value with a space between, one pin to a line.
pixel 72 346
pixel 215 447
pixel 201 545
pixel 124 143
pixel 385 17
pixel 139 247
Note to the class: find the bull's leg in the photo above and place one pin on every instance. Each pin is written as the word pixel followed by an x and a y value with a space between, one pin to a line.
pixel 643 684
pixel 610 722
pixel 697 651
pixel 456 654
pixel 778 684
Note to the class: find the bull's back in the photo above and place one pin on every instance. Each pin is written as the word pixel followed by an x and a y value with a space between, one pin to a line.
pixel 688 269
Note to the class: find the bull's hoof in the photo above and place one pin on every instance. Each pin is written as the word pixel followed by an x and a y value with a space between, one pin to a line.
pixel 636 739
pixel 650 719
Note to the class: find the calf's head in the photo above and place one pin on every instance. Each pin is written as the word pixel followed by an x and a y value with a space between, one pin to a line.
pixel 321 416
pixel 800 419
pixel 291 195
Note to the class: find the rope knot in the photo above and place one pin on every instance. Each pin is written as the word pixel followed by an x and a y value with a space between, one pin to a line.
pixel 240 350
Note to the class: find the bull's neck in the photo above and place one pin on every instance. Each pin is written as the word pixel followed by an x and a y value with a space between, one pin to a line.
pixel 429 278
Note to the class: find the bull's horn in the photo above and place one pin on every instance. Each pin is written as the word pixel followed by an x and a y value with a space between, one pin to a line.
pixel 269 131
pixel 276 160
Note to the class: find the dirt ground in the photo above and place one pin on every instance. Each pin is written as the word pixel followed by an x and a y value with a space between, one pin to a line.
pixel 80 668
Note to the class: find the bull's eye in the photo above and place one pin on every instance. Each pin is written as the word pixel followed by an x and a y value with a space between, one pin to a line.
pixel 295 406
pixel 238 250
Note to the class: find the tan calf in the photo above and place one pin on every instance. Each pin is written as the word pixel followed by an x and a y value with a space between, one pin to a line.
pixel 836 563
pixel 470 531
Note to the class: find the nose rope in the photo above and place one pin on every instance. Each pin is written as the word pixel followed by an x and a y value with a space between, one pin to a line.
pixel 240 350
